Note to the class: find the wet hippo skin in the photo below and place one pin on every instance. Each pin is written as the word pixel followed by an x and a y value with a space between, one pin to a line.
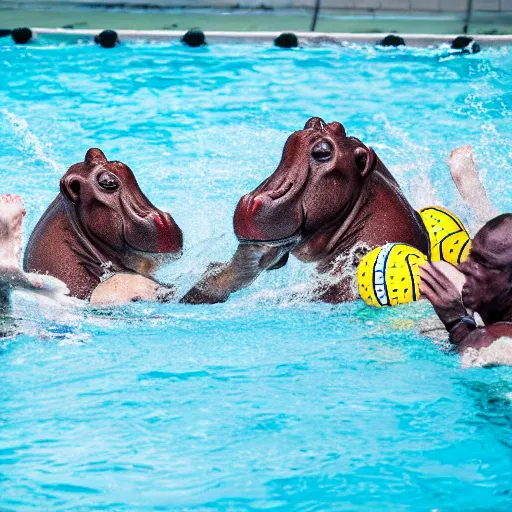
pixel 100 223
pixel 329 194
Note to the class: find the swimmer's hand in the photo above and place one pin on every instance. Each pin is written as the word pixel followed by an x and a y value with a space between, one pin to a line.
pixel 442 293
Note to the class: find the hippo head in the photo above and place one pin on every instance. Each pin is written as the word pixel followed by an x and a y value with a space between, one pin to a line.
pixel 116 217
pixel 315 186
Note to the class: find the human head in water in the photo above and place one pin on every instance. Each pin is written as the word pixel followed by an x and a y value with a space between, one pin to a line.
pixel 488 269
pixel 487 289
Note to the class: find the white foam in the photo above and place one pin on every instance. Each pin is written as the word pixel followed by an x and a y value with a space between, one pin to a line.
pixel 499 353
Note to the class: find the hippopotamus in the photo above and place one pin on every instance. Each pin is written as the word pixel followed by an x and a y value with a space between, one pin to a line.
pixel 12 277
pixel 330 195
pixel 100 225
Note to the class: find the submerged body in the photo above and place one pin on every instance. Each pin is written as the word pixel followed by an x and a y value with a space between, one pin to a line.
pixel 330 200
pixel 99 225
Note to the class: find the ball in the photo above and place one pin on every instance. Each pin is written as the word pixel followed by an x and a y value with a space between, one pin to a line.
pixel 389 275
pixel 449 239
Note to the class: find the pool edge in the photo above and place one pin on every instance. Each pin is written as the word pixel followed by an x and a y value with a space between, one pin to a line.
pixel 308 37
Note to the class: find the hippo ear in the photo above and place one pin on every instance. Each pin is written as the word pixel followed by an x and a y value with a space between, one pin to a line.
pixel 365 160
pixel 71 186
pixel 94 157
pixel 316 123
pixel 338 129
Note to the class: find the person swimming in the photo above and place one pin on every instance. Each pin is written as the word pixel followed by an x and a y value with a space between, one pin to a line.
pixel 487 289
pixel 487 273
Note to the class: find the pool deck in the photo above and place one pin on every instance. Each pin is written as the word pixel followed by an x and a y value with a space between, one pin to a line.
pixel 420 40
pixel 256 20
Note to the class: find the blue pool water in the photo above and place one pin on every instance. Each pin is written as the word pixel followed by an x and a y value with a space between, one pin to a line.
pixel 268 401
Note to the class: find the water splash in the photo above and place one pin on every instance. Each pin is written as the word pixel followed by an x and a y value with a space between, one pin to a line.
pixel 413 174
pixel 499 353
pixel 30 142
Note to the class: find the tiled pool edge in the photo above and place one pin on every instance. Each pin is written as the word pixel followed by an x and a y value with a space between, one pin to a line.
pixel 305 37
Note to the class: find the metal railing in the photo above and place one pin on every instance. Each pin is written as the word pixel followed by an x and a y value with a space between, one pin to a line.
pixel 467 18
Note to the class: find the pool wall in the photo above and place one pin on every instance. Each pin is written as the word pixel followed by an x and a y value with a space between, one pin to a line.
pixel 420 40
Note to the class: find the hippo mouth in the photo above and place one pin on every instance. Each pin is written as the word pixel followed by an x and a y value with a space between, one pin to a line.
pixel 150 254
pixel 146 262
pixel 167 256
pixel 291 240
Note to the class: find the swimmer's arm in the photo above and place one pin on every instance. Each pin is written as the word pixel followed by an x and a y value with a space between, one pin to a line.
pixel 463 332
pixel 222 279
pixel 445 297
pixel 446 300
pixel 465 176
pixel 440 290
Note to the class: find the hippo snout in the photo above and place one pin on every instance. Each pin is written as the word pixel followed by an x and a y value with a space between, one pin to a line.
pixel 267 216
pixel 244 219
pixel 156 233
pixel 169 235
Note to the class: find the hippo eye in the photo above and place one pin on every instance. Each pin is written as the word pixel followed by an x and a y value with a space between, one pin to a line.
pixel 108 181
pixel 322 152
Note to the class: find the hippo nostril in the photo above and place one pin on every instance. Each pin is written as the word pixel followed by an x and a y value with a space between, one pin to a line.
pixel 255 204
pixel 322 152
pixel 280 192
pixel 169 234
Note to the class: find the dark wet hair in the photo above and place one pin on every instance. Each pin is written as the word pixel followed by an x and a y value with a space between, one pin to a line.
pixel 107 39
pixel 498 221
pixel 465 44
pixel 21 35
pixel 286 40
pixel 194 37
pixel 392 40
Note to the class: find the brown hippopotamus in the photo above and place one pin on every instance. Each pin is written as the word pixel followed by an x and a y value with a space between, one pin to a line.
pixel 329 194
pixel 100 224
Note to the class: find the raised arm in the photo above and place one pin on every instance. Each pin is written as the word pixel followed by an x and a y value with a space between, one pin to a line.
pixel 465 176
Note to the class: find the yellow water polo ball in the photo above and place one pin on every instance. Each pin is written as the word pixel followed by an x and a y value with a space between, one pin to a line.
pixel 449 239
pixel 389 275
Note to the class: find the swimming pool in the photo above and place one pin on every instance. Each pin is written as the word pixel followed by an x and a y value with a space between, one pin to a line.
pixel 266 401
